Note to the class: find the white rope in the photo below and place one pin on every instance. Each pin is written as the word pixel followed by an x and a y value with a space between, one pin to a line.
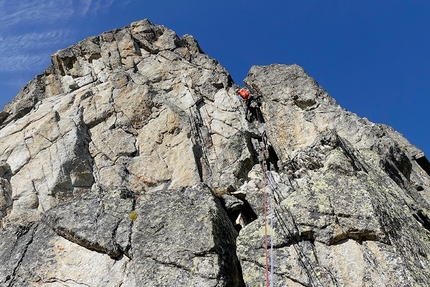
pixel 272 279
pixel 272 273
pixel 263 139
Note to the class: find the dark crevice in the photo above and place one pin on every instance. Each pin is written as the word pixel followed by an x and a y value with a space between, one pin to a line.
pixel 230 270
pixel 198 155
pixel 60 66
pixel 241 214
pixel 248 213
pixel 273 158
pixel 68 62
pixel 252 109
pixel 201 140
pixel 94 56
pixel 128 247
pixel 423 219
pixel 424 164
pixel 3 117
pixel 126 193
pixel 393 173
pixel 263 151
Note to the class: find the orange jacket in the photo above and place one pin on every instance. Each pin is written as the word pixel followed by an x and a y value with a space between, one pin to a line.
pixel 243 93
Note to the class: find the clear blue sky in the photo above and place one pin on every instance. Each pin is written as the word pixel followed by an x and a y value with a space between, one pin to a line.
pixel 373 57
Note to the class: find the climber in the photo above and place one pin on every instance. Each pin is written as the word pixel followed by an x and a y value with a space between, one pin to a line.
pixel 247 98
pixel 251 102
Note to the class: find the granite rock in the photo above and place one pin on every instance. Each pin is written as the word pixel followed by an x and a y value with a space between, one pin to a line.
pixel 129 162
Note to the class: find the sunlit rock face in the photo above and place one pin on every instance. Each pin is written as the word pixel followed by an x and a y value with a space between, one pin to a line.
pixel 129 162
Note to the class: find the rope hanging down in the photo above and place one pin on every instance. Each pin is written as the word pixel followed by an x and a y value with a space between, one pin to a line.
pixel 269 280
pixel 307 265
pixel 313 277
pixel 269 182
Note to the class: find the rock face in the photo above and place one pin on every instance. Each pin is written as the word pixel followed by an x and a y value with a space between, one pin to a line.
pixel 129 162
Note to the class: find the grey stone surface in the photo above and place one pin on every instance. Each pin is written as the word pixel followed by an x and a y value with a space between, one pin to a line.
pixel 129 162
pixel 347 201
pixel 183 237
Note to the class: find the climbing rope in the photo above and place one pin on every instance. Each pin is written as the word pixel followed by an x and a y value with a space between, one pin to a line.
pixel 293 233
pixel 272 272
pixel 269 280
pixel 267 175
pixel 304 261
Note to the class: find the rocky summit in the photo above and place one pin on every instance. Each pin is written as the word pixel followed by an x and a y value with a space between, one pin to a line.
pixel 130 162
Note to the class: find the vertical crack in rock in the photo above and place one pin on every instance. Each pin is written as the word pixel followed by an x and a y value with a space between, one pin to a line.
pixel 127 234
pixel 15 255
pixel 202 141
pixel 225 245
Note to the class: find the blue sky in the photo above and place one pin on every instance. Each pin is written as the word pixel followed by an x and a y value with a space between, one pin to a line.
pixel 371 56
